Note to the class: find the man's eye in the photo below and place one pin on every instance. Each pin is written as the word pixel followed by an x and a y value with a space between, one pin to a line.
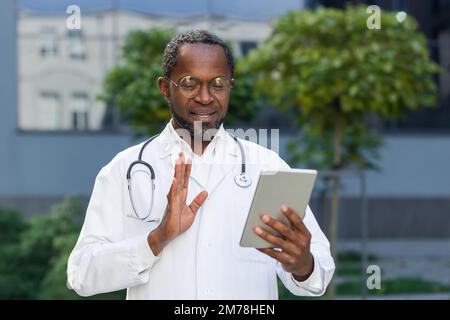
pixel 218 87
pixel 188 86
pixel 218 84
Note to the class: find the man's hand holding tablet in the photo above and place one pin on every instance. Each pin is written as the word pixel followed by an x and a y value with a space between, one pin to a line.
pixel 275 221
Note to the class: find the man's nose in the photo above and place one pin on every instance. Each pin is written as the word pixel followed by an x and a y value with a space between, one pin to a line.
pixel 204 96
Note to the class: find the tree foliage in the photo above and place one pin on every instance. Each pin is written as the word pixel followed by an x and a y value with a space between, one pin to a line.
pixel 132 85
pixel 328 65
pixel 34 253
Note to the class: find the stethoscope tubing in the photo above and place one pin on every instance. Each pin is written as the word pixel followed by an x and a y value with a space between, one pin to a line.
pixel 242 180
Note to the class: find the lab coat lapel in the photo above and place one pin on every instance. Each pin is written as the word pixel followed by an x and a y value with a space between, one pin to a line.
pixel 225 160
pixel 169 153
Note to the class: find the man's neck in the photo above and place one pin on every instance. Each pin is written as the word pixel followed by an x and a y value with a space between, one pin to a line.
pixel 194 141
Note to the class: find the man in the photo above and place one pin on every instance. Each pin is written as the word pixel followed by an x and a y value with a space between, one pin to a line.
pixel 185 244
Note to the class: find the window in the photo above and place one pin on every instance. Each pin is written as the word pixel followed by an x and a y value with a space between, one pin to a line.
pixel 443 52
pixel 441 5
pixel 77 48
pixel 246 46
pixel 49 111
pixel 79 110
pixel 49 43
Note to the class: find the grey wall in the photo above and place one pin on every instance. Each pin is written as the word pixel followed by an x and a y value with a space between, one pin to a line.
pixel 413 166
pixel 58 164
pixel 8 93
pixel 389 217
pixel 410 166
pixel 51 164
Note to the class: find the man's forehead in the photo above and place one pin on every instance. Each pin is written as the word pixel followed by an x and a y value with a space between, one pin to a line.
pixel 195 51
pixel 201 58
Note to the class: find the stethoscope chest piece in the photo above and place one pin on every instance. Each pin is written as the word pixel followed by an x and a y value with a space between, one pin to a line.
pixel 242 180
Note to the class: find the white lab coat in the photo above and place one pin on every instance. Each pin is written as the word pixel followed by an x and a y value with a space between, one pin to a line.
pixel 206 261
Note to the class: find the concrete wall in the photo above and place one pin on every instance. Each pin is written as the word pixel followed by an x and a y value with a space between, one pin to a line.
pixel 50 164
pixel 8 95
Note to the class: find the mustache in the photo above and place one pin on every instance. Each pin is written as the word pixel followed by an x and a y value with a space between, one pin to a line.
pixel 189 126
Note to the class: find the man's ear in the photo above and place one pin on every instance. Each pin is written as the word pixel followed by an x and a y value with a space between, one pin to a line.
pixel 164 88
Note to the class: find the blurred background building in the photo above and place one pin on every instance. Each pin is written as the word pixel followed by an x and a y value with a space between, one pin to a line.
pixel 55 135
pixel 61 70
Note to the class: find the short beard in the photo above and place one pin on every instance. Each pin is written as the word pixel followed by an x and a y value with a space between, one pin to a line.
pixel 183 123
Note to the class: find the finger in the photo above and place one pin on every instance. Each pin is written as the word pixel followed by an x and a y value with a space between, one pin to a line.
pixel 177 176
pixel 292 216
pixel 280 256
pixel 177 167
pixel 279 226
pixel 277 242
pixel 295 220
pixel 182 169
pixel 198 201
pixel 186 180
pixel 180 172
pixel 172 191
pixel 188 173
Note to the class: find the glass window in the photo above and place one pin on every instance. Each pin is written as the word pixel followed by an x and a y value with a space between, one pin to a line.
pixel 246 46
pixel 49 85
pixel 49 111
pixel 49 43
pixel 441 4
pixel 79 109
pixel 77 47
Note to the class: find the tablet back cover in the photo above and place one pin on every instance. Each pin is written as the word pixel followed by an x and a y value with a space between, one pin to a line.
pixel 291 187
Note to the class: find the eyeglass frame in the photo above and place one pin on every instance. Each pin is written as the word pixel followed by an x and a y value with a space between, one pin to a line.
pixel 229 81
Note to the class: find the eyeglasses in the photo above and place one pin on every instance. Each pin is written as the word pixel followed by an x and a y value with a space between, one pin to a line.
pixel 190 86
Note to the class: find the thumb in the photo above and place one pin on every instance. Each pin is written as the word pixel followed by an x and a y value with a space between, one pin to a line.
pixel 198 201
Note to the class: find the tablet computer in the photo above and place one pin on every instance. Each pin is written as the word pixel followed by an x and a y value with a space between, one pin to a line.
pixel 290 187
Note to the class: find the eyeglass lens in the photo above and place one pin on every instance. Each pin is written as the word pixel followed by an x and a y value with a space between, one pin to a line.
pixel 190 86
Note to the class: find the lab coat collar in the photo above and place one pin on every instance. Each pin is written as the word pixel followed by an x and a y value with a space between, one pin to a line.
pixel 223 143
pixel 225 148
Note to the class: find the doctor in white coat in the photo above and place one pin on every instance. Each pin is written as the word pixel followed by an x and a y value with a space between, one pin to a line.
pixel 188 246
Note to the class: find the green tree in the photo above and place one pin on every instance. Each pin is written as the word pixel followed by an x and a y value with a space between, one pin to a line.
pixel 11 226
pixel 37 248
pixel 34 253
pixel 335 73
pixel 132 85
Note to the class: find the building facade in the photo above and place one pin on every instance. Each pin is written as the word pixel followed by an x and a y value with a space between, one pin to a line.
pixel 61 70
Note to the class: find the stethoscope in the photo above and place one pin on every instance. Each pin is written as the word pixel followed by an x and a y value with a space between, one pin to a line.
pixel 242 180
